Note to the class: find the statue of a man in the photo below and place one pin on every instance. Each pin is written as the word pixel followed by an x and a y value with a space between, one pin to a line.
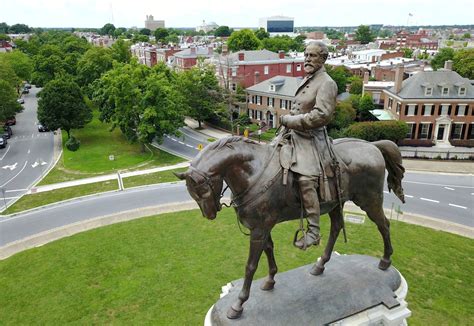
pixel 312 110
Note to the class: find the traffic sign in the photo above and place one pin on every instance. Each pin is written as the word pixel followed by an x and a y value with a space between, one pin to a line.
pixel 200 147
pixel 246 133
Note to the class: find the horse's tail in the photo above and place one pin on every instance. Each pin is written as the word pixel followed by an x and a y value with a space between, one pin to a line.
pixel 393 163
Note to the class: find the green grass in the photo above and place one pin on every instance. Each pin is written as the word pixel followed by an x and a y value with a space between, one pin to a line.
pixel 53 196
pixel 152 178
pixel 92 158
pixel 169 269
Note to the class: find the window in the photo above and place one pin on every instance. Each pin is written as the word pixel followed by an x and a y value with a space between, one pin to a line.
pixel 272 87
pixel 411 109
pixel 427 109
pixel 457 131
pixel 461 110
pixel 470 132
pixel 298 67
pixel 250 100
pixel 429 91
pixel 425 127
pixel 234 71
pixel 283 104
pixel 288 68
pixel 270 101
pixel 390 102
pixel 444 109
pixel 234 87
pixel 411 130
pixel 462 91
pixel 259 100
pixel 265 70
pixel 398 108
pixel 445 91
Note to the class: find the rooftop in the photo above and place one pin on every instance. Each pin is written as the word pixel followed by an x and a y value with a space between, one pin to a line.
pixel 284 86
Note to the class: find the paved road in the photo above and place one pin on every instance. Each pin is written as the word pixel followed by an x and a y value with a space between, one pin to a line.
pixel 28 154
pixel 185 146
pixel 24 225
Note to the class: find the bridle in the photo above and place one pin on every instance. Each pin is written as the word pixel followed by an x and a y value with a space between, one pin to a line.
pixel 208 181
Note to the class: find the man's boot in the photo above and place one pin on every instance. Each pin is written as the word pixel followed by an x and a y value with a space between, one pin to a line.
pixel 309 196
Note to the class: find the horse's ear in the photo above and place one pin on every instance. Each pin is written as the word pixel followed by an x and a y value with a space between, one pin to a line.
pixel 181 175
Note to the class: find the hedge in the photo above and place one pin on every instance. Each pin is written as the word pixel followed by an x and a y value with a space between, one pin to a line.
pixel 377 130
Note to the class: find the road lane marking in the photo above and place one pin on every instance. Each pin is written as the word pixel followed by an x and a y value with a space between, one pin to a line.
pixel 11 197
pixel 24 166
pixel 34 164
pixel 181 142
pixel 11 167
pixel 8 148
pixel 173 139
pixel 437 184
pixel 458 206
pixel 448 188
pixel 408 196
pixel 385 191
pixel 16 190
pixel 189 146
pixel 431 200
pixel 28 151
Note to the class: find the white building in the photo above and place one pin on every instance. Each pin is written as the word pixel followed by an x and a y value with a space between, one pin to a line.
pixel 152 24
pixel 206 27
pixel 278 25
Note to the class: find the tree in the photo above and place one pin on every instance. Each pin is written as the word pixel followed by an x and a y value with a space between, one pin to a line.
pixel 466 36
pixel 384 33
pixel 107 29
pixel 8 104
pixel 172 39
pixel 443 55
pixel 222 31
pixel 4 37
pixel 93 64
pixel 244 39
pixel 120 51
pixel 21 64
pixel 61 105
pixel 356 85
pixel 143 102
pixel 119 32
pixel 201 92
pixel 4 28
pixel 161 34
pixel 19 29
pixel 8 75
pixel 363 34
pixel 366 104
pixel 145 31
pixel 46 68
pixel 339 74
pixel 262 34
pixel 343 117
pixel 463 63
pixel 407 52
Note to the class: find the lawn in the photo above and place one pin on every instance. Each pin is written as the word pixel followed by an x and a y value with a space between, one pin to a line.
pixel 98 143
pixel 169 269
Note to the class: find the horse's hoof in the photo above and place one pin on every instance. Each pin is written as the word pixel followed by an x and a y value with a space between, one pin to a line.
pixel 317 270
pixel 384 264
pixel 233 313
pixel 268 285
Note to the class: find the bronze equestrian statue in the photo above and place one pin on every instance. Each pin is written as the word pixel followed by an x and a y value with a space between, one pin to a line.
pixel 299 174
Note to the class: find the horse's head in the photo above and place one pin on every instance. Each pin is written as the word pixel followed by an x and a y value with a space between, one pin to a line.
pixel 205 189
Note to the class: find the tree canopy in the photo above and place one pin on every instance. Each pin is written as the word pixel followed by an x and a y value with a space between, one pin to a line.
pixel 8 104
pixel 222 31
pixel 61 105
pixel 363 34
pixel 93 64
pixel 161 34
pixel 283 43
pixel 356 85
pixel 339 74
pixel 463 63
pixel 261 34
pixel 244 39
pixel 107 29
pixel 443 55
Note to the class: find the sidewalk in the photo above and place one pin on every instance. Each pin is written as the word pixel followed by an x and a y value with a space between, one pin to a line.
pixel 206 130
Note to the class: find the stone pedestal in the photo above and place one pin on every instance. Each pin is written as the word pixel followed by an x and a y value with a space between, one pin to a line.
pixel 352 291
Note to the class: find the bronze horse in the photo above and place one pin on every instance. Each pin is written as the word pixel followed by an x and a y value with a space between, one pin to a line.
pixel 254 175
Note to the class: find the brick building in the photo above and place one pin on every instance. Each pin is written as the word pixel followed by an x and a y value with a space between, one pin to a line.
pixel 437 105
pixel 188 58
pixel 247 68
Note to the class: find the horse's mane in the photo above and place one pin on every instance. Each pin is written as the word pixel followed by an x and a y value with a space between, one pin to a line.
pixel 228 142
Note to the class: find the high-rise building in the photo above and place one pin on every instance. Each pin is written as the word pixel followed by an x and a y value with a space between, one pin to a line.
pixel 152 24
pixel 278 24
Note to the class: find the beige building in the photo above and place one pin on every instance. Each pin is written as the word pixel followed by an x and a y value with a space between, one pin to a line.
pixel 153 24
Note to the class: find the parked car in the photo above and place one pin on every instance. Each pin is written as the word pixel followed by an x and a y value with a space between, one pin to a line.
pixel 21 101
pixel 25 91
pixel 10 121
pixel 7 131
pixel 28 86
pixel 3 142
pixel 42 128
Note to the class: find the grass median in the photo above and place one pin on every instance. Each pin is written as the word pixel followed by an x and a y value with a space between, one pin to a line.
pixel 169 270
pixel 53 196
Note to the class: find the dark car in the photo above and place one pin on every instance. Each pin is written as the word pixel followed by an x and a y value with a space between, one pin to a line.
pixel 7 131
pixel 27 86
pixel 25 91
pixel 42 128
pixel 3 142
pixel 11 121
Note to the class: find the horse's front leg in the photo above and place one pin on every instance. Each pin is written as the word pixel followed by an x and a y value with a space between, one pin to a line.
pixel 258 239
pixel 272 266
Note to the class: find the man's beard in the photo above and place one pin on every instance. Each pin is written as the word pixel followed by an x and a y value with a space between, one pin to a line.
pixel 310 68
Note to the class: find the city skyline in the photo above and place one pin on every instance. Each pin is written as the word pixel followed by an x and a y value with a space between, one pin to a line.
pixel 122 13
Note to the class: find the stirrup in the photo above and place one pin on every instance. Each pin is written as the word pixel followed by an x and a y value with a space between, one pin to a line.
pixel 316 239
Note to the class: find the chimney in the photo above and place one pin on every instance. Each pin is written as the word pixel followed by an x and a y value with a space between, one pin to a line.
pixel 281 54
pixel 193 50
pixel 210 50
pixel 448 65
pixel 225 49
pixel 241 56
pixel 398 78
pixel 366 77
pixel 257 78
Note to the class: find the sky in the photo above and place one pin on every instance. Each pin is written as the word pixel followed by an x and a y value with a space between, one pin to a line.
pixel 235 13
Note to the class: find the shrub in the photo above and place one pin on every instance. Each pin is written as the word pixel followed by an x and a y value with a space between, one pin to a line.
pixel 377 130
pixel 73 144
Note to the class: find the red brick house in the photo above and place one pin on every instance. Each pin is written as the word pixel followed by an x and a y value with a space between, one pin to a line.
pixel 188 58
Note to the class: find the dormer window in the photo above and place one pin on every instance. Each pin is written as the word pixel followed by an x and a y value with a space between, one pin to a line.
pixel 445 91
pixel 428 91
pixel 462 91
pixel 272 87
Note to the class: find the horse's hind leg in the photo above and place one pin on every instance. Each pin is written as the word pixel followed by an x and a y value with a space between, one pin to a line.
pixel 376 214
pixel 336 226
pixel 272 267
